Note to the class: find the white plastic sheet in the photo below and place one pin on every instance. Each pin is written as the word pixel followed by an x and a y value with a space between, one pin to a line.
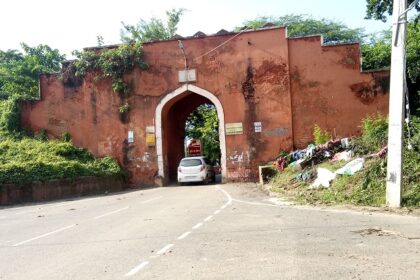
pixel 324 176
pixel 351 167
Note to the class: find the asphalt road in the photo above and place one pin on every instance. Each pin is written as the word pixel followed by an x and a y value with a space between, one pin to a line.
pixel 230 231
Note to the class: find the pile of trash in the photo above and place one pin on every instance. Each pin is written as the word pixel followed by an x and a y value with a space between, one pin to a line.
pixel 334 150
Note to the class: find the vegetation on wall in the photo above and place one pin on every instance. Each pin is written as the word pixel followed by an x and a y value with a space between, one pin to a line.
pixel 111 63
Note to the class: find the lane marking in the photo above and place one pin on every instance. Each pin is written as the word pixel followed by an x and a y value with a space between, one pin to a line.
pixel 164 249
pixel 216 212
pixel 185 234
pixel 150 200
pixel 208 218
pixel 197 226
pixel 44 235
pixel 226 194
pixel 110 213
pixel 137 268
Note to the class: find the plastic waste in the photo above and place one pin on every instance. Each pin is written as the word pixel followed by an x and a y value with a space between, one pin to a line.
pixel 324 176
pixel 346 155
pixel 351 167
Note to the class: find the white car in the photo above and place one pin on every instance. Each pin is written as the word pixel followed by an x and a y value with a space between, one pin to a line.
pixel 195 169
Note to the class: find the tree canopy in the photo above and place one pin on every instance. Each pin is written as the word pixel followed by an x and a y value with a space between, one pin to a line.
pixel 203 124
pixel 304 25
pixel 155 29
pixel 19 72
pixel 378 9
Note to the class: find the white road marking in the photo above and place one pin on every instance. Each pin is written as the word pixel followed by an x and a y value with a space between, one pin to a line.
pixel 226 194
pixel 216 212
pixel 185 234
pixel 164 249
pixel 197 226
pixel 150 200
pixel 137 269
pixel 110 213
pixel 208 218
pixel 44 235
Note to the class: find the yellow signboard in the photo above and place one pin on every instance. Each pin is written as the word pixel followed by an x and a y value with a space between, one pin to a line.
pixel 150 139
pixel 234 128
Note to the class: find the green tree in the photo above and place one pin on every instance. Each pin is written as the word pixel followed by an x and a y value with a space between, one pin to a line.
pixel 19 72
pixel 203 124
pixel 377 9
pixel 155 29
pixel 304 25
pixel 376 51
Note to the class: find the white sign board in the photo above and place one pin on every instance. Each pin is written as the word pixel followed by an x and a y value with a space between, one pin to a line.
pixel 187 76
pixel 130 136
pixel 257 126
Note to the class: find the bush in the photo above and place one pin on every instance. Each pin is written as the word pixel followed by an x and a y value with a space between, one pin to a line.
pixel 9 118
pixel 374 132
pixel 26 160
pixel 320 136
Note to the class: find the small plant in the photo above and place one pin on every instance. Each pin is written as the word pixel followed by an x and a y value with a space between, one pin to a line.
pixel 320 136
pixel 124 108
pixel 66 137
pixel 374 132
pixel 42 135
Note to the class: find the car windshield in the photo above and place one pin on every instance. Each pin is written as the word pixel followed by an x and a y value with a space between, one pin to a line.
pixel 190 162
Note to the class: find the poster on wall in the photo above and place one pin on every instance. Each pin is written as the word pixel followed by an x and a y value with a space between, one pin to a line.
pixel 150 136
pixel 234 128
pixel 130 136
pixel 257 126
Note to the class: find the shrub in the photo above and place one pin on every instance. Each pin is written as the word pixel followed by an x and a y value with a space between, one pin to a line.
pixel 26 160
pixel 374 132
pixel 320 136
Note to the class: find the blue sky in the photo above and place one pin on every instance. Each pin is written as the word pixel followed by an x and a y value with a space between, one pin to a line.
pixel 69 25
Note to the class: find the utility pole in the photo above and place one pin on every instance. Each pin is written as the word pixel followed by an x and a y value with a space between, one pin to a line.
pixel 396 105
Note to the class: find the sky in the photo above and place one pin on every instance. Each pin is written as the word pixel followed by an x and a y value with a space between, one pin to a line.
pixel 75 24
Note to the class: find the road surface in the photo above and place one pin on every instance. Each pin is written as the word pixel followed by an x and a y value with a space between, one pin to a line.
pixel 229 231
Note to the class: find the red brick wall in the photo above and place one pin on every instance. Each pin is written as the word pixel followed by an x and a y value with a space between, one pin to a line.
pixel 258 76
pixel 328 89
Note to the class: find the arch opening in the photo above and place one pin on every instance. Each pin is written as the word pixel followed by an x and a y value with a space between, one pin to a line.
pixel 171 115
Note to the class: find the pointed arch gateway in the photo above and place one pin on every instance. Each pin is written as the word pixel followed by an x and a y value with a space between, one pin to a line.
pixel 166 103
